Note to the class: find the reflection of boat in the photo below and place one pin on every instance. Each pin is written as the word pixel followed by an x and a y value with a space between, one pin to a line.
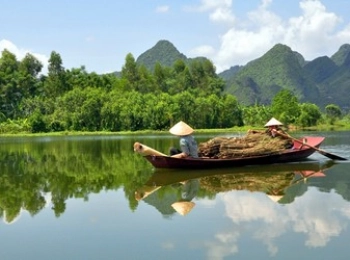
pixel 297 153
pixel 163 177
pixel 269 179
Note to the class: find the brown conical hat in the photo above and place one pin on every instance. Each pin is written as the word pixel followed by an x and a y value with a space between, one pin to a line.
pixel 183 207
pixel 181 128
pixel 273 121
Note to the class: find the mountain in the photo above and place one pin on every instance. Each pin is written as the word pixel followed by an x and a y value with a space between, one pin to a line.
pixel 227 74
pixel 320 69
pixel 336 88
pixel 322 81
pixel 163 52
pixel 280 68
pixel 340 56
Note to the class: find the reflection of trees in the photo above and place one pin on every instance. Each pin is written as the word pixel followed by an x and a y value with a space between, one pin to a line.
pixel 64 170
pixel 18 189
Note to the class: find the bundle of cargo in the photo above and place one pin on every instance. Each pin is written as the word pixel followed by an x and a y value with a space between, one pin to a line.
pixel 211 148
pixel 252 144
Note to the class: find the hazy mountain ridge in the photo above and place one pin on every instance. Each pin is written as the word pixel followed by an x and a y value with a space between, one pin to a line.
pixel 322 81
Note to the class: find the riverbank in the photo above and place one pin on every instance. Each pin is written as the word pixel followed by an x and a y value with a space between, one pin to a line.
pixel 145 132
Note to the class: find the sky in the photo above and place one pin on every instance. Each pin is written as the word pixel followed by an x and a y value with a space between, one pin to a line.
pixel 100 34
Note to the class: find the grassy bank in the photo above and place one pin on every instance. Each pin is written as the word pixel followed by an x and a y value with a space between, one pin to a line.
pixel 339 127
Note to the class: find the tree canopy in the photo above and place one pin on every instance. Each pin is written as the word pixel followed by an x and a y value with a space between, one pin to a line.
pixel 137 99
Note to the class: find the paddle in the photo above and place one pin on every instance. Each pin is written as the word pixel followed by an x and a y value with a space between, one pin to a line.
pixel 329 155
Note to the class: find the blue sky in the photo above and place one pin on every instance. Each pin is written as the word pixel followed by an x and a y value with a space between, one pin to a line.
pixel 99 34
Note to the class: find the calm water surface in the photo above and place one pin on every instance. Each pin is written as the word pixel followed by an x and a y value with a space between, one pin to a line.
pixel 92 197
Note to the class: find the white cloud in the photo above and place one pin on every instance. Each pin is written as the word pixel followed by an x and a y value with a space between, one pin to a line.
pixel 162 9
pixel 204 50
pixel 306 216
pixel 220 11
pixel 271 221
pixel 315 32
pixel 20 53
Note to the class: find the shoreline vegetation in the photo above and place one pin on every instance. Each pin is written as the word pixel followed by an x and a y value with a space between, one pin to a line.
pixel 145 132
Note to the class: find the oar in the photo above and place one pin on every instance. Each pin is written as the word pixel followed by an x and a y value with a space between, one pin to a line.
pixel 329 155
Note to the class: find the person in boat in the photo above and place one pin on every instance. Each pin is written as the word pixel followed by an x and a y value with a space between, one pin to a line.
pixel 274 127
pixel 187 142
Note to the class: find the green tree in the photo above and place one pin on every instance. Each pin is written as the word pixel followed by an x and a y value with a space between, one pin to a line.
pixel 130 72
pixel 310 115
pixel 10 94
pixel 333 112
pixel 256 115
pixel 55 84
pixel 285 107
pixel 29 68
pixel 37 122
pixel 231 113
pixel 160 77
pixel 186 103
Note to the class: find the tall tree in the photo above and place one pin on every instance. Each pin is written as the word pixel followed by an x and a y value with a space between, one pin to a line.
pixel 285 107
pixel 130 71
pixel 29 68
pixel 332 113
pixel 10 95
pixel 56 84
pixel 310 114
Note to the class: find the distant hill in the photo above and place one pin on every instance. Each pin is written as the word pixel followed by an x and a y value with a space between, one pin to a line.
pixel 279 68
pixel 335 89
pixel 320 69
pixel 340 56
pixel 228 74
pixel 322 81
pixel 163 52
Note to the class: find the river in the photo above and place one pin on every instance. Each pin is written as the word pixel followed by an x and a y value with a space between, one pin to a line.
pixel 92 197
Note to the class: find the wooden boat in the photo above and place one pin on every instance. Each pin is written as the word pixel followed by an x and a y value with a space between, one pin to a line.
pixel 303 148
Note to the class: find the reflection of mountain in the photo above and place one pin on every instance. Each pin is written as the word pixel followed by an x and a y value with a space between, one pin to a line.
pixel 160 190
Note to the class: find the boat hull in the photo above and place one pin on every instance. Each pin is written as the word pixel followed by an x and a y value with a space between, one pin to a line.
pixel 297 153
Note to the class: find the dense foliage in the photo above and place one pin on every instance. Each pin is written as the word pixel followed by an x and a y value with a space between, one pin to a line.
pixel 138 99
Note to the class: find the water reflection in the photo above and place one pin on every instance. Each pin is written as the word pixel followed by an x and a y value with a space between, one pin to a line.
pixel 174 197
pixel 315 209
pixel 36 173
pixel 282 183
pixel 97 195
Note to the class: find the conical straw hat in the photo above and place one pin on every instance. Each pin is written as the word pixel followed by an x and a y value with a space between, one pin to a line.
pixel 181 129
pixel 183 207
pixel 273 121
pixel 275 198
